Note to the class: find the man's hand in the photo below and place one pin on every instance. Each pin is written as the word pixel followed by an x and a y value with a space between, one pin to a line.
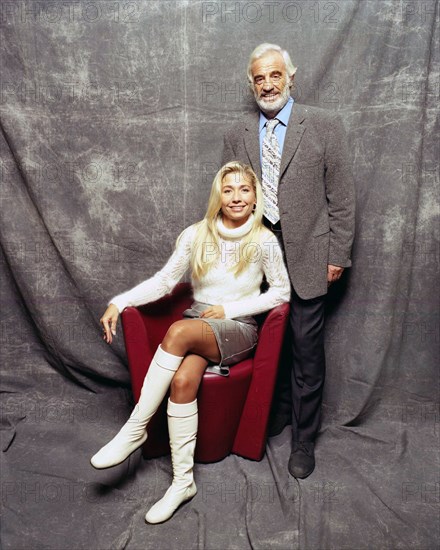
pixel 334 273
pixel 109 321
pixel 213 312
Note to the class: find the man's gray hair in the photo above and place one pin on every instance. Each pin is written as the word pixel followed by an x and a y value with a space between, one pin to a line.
pixel 265 48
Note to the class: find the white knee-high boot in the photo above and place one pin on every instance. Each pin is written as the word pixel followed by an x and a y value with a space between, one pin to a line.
pixel 133 433
pixel 182 426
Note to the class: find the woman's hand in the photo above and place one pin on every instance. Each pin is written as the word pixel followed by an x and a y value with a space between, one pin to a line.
pixel 109 321
pixel 213 312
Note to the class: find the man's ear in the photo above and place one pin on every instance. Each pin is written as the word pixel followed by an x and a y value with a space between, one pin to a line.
pixel 291 81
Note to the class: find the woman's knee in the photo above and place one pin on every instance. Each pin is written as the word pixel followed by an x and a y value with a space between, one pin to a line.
pixel 177 333
pixel 182 383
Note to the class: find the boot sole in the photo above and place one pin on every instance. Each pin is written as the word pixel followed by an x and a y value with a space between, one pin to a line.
pixel 166 519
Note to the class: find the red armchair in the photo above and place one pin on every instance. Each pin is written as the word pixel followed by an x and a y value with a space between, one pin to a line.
pixel 233 410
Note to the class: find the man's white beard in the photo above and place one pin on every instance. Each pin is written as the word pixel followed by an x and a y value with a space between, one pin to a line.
pixel 273 107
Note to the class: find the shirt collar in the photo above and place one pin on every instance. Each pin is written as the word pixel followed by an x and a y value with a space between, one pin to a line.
pixel 283 116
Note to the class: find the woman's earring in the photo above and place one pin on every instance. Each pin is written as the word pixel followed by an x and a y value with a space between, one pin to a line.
pixel 255 207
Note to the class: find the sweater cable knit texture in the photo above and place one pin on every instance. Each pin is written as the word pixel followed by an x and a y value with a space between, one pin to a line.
pixel 238 294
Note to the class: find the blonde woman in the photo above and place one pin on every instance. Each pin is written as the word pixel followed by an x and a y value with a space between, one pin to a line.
pixel 228 253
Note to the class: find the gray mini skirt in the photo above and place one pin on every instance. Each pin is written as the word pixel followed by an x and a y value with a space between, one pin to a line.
pixel 236 338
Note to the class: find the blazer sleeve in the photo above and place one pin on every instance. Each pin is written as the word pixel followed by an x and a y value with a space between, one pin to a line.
pixel 340 193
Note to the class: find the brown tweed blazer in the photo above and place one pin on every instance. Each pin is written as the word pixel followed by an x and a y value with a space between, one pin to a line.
pixel 316 195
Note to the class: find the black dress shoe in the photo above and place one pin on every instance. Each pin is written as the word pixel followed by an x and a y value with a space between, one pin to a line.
pixel 302 459
pixel 277 425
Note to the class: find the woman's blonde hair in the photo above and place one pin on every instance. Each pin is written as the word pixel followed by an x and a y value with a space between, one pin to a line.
pixel 206 247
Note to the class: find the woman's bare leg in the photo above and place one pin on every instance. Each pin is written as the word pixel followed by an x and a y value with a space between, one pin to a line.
pixel 196 341
pixel 191 336
pixel 185 383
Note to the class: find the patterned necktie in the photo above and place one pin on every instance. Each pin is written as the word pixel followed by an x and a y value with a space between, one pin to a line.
pixel 270 171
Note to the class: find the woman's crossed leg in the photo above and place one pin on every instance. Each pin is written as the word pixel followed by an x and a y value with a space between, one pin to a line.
pixel 195 340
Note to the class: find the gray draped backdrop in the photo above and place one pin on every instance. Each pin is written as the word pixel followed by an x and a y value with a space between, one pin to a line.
pixel 112 116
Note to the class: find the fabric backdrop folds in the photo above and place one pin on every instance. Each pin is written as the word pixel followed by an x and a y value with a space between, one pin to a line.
pixel 112 117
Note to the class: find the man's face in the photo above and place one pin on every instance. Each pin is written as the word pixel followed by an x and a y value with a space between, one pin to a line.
pixel 270 83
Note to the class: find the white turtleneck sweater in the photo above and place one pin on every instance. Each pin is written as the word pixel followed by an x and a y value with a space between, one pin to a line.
pixel 238 294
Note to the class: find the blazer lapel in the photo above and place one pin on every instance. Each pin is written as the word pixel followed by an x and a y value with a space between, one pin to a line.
pixel 252 143
pixel 294 133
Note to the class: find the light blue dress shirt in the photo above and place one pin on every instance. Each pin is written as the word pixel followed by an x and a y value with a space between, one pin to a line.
pixel 280 129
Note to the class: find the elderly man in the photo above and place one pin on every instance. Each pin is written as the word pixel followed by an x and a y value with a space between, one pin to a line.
pixel 301 156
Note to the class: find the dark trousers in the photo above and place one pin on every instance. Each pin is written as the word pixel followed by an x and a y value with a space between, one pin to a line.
pixel 308 365
pixel 301 384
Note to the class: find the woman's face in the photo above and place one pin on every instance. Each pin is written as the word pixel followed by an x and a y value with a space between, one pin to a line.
pixel 238 199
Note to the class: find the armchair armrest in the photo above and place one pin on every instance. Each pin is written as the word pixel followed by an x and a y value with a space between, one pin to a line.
pixel 251 433
pixel 137 346
pixel 145 326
